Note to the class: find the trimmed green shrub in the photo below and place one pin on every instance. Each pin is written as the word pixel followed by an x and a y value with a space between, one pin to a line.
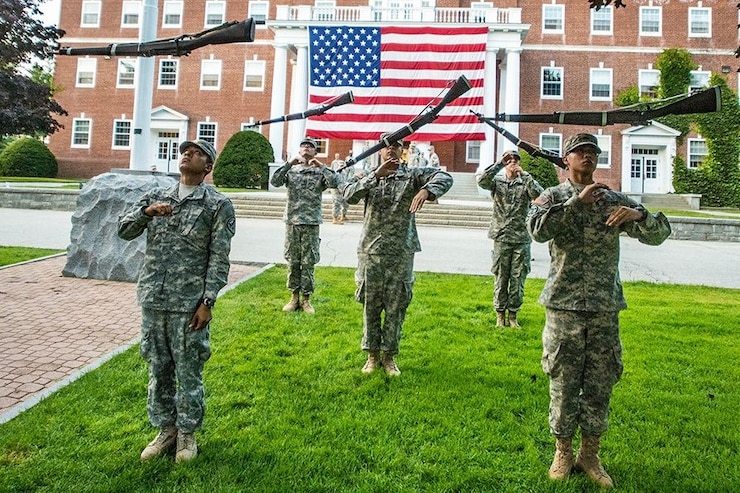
pixel 244 161
pixel 28 157
pixel 541 170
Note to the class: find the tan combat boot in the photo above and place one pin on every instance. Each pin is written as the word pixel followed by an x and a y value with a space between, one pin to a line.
pixel 500 319
pixel 293 304
pixel 562 463
pixel 373 361
pixel 588 461
pixel 389 365
pixel 306 305
pixel 513 322
pixel 163 442
pixel 187 449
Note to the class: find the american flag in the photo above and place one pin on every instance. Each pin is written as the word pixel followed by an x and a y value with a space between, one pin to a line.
pixel 394 73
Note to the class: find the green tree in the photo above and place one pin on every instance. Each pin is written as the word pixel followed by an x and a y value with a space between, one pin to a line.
pixel 28 157
pixel 541 170
pixel 26 105
pixel 244 161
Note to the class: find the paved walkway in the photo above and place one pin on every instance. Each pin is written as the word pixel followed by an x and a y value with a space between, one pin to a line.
pixel 57 328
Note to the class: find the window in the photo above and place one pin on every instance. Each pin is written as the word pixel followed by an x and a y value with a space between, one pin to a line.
pixel 215 13
pixel 126 72
pixel 605 158
pixel 552 83
pixel 602 21
pixel 90 14
pixel 700 22
pixel 210 75
pixel 552 19
pixel 130 13
pixel 86 72
pixel 322 147
pixel 258 10
pixel 207 132
pixel 168 73
pixel 551 142
pixel 601 84
pixel 172 14
pixel 479 9
pixel 697 152
pixel 651 23
pixel 254 75
pixel 121 134
pixel 324 10
pixel 699 79
pixel 81 129
pixel 648 81
pixel 472 151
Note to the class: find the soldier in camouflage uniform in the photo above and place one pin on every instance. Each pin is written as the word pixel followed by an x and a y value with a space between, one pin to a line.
pixel 189 229
pixel 511 193
pixel 582 352
pixel 392 193
pixel 306 178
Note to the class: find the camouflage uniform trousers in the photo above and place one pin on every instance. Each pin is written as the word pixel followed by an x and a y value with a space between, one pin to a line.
pixel 340 203
pixel 176 355
pixel 582 355
pixel 302 251
pixel 511 265
pixel 384 282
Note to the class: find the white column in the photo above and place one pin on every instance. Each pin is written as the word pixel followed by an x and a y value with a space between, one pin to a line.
pixel 298 98
pixel 140 155
pixel 511 101
pixel 487 147
pixel 277 106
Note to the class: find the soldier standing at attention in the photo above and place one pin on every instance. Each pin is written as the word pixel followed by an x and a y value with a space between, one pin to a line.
pixel 189 230
pixel 392 193
pixel 511 193
pixel 306 178
pixel 582 352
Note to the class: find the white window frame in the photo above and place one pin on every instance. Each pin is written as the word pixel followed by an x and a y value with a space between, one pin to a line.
pixel 172 8
pixel 322 147
pixel 644 74
pixel 176 64
pixel 87 133
pixel 90 13
pixel 85 66
pixel 602 16
pixel 254 68
pixel 699 79
pixel 123 65
pixel 553 13
pixel 557 150
pixel 472 151
pixel 117 123
pixel 258 10
pixel 130 8
pixel 695 157
pixel 604 160
pixel 643 14
pixel 215 9
pixel 208 131
pixel 595 78
pixel 479 11
pixel 208 69
pixel 695 24
pixel 543 82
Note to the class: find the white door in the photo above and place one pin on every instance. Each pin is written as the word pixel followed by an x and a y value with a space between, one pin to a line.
pixel 167 151
pixel 644 170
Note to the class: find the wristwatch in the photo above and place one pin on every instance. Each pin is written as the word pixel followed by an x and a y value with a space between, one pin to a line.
pixel 209 302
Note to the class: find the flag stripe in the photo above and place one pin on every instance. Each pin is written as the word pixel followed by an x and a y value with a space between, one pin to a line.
pixel 396 73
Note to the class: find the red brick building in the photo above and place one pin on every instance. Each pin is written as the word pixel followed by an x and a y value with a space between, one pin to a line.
pixel 541 57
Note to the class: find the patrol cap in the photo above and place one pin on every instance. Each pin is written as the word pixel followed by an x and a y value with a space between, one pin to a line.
pixel 388 134
pixel 579 140
pixel 203 145
pixel 511 153
pixel 309 141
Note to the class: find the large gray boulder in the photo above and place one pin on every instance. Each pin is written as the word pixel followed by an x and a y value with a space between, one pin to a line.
pixel 96 251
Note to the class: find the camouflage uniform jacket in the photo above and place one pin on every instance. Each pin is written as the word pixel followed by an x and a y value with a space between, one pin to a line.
pixel 511 199
pixel 305 185
pixel 584 251
pixel 187 254
pixel 389 228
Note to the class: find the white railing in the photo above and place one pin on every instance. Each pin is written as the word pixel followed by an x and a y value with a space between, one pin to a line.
pixel 399 15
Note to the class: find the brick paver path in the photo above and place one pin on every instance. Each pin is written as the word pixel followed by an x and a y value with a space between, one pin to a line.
pixel 54 326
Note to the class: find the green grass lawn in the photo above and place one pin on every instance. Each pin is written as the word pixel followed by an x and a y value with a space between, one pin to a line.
pixel 290 411
pixel 14 255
